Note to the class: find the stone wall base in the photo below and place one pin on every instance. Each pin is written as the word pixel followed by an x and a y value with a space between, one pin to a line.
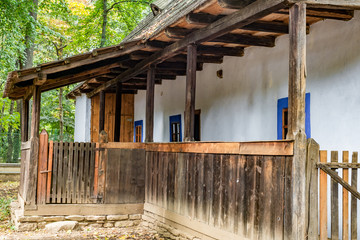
pixel 31 223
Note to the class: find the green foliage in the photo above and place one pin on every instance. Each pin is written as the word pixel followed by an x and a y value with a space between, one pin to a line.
pixel 5 208
pixel 62 28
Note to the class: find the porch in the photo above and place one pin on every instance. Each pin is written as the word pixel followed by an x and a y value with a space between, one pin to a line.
pixel 221 190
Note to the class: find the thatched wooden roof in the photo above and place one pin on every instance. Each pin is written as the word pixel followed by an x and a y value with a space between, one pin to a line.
pixel 219 28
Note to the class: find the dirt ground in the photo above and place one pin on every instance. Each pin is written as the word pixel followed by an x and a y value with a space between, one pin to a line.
pixel 8 190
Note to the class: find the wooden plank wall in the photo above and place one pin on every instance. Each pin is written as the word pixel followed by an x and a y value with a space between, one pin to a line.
pixel 341 164
pixel 127 117
pixel 125 176
pixel 73 173
pixel 236 193
pixel 25 159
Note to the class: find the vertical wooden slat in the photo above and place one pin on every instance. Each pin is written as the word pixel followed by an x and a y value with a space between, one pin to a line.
pixel 60 172
pixel 150 91
pixel 96 169
pixel 117 129
pixel 42 167
pixel 323 199
pixel 103 138
pixel 345 207
pixel 166 180
pixel 250 195
pixel 334 202
pixel 102 111
pixel 265 197
pixel 217 191
pixel 65 172
pixel 200 188
pixel 87 172
pixel 55 172
pixel 49 175
pixel 354 173
pixel 92 171
pixel 81 173
pixel 240 196
pixel 70 173
pixel 278 197
pixel 75 184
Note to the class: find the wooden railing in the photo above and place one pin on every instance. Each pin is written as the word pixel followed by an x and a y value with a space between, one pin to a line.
pixel 349 186
pixel 221 190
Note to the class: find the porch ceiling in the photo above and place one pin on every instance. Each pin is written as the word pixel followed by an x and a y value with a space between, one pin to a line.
pixel 219 28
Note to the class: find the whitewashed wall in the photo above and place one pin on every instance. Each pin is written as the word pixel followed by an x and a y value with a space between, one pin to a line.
pixel 82 119
pixel 243 105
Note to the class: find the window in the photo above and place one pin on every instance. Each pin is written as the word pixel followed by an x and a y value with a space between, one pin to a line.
pixel 282 117
pixel 138 131
pixel 175 128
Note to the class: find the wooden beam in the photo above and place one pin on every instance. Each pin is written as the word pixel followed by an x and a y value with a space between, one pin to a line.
pixel 339 180
pixel 339 165
pixel 240 18
pixel 29 92
pixel 189 117
pixel 150 93
pixel 25 120
pixel 35 116
pixel 337 14
pixel 117 130
pixel 204 19
pixel 102 111
pixel 87 61
pixel 40 79
pixel 242 39
pixel 349 4
pixel 235 4
pixel 297 69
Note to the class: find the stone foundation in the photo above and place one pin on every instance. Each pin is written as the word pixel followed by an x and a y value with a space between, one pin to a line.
pixel 31 223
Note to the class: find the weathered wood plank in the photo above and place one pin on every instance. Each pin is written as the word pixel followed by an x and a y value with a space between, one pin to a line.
pixel 334 203
pixel 92 172
pixel 102 111
pixel 65 172
pixel 117 129
pixel 323 199
pixel 81 173
pixel 122 145
pixel 50 169
pixel 87 173
pixel 282 148
pixel 75 183
pixel 354 174
pixel 345 200
pixel 340 165
pixel 25 120
pixel 70 179
pixel 42 167
pixel 55 172
pixel 59 178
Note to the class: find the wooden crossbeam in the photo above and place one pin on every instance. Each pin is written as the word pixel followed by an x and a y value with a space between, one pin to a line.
pixel 234 4
pixel 350 4
pixel 243 39
pixel 339 180
pixel 337 14
pixel 339 165
pixel 204 19
pixel 238 19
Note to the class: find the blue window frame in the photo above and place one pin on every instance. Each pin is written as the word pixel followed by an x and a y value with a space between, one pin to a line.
pixel 283 103
pixel 138 131
pixel 175 128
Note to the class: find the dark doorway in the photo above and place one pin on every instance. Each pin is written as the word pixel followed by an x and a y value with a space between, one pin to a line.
pixel 197 133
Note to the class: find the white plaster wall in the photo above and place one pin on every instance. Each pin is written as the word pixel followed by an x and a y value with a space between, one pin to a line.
pixel 82 119
pixel 243 105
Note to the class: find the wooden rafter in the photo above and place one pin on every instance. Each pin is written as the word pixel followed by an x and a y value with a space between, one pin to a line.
pixel 242 17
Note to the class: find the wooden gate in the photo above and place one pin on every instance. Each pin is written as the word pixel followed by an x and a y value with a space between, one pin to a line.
pixel 67 172
pixel 348 185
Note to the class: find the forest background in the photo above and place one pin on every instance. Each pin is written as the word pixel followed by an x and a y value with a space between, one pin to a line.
pixel 38 31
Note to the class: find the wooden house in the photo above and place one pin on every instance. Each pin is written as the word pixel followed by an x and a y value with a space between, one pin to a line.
pixel 208 107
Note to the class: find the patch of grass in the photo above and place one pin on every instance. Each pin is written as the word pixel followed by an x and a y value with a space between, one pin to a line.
pixel 5 208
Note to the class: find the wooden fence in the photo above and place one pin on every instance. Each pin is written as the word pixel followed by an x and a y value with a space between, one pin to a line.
pixel 223 190
pixel 349 186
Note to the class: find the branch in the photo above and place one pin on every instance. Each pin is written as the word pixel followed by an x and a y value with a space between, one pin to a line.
pixel 125 1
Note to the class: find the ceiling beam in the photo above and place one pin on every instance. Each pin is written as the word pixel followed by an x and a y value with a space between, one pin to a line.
pixel 242 39
pixel 238 19
pixel 235 4
pixel 337 14
pixel 349 4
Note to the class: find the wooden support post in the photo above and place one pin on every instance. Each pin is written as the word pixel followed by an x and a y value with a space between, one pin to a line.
pixel 189 116
pixel 25 121
pixel 32 166
pixel 101 169
pixel 150 93
pixel 42 167
pixel 118 112
pixel 102 111
pixel 312 188
pixel 297 69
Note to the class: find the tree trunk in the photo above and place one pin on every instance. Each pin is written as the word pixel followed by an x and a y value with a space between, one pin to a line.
pixel 61 115
pixel 9 136
pixel 17 134
pixel 103 30
pixel 29 39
